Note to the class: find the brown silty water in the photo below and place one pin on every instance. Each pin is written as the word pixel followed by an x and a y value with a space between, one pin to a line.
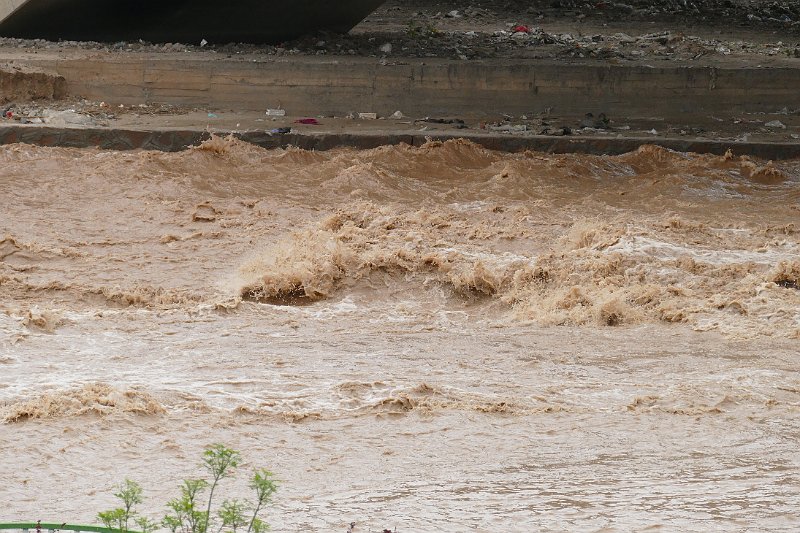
pixel 440 338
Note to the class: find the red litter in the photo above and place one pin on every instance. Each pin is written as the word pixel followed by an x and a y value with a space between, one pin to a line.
pixel 309 121
pixel 521 29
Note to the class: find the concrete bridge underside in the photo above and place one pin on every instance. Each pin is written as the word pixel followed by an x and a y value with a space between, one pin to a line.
pixel 185 21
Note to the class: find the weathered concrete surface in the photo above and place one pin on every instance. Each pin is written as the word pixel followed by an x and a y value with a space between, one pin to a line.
pixel 336 86
pixel 180 139
pixel 637 94
pixel 189 21
pixel 19 83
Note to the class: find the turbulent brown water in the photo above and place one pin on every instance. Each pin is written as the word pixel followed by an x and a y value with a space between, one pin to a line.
pixel 440 338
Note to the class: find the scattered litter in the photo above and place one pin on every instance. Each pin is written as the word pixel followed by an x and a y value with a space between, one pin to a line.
pixel 368 116
pixel 456 121
pixel 276 112
pixel 307 121
pixel 521 32
pixel 212 115
pixel 601 122
pixel 509 128
pixel 558 132
pixel 623 38
pixel 775 124
pixel 65 118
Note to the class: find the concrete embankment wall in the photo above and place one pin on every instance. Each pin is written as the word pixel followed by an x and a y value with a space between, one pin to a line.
pixel 326 86
pixel 8 7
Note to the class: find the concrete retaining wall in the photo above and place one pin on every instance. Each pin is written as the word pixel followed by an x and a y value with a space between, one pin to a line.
pixel 310 86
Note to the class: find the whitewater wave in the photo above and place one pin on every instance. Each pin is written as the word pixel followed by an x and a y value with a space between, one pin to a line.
pixel 94 398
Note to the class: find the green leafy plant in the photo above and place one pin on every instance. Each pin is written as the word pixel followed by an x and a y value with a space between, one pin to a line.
pixel 186 517
pixel 191 512
pixel 232 514
pixel 145 525
pixel 220 461
pixel 265 485
pixel 130 493
pixel 114 518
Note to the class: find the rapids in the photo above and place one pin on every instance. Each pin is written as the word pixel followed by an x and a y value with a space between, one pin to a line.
pixel 441 338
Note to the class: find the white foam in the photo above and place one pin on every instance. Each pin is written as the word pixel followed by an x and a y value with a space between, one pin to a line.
pixel 501 259
pixel 665 251
pixel 469 206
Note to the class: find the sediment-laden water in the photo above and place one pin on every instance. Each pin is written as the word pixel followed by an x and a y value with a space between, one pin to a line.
pixel 440 338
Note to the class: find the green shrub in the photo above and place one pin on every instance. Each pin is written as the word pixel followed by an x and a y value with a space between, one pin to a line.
pixel 185 513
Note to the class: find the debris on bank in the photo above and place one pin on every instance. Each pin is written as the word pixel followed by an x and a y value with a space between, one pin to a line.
pixel 81 113
pixel 513 39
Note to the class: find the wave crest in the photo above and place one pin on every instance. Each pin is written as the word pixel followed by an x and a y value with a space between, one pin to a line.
pixel 94 398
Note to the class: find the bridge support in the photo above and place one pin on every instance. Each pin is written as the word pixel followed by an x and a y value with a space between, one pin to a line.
pixel 179 21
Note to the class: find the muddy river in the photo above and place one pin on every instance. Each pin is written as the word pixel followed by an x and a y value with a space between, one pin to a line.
pixel 440 338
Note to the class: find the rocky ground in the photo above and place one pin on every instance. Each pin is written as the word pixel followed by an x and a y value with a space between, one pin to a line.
pixel 753 13
pixel 536 29
pixel 693 32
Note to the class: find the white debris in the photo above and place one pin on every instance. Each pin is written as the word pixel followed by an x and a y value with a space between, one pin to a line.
pixel 509 128
pixel 66 118
pixel 386 48
pixel 776 124
pixel 623 38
